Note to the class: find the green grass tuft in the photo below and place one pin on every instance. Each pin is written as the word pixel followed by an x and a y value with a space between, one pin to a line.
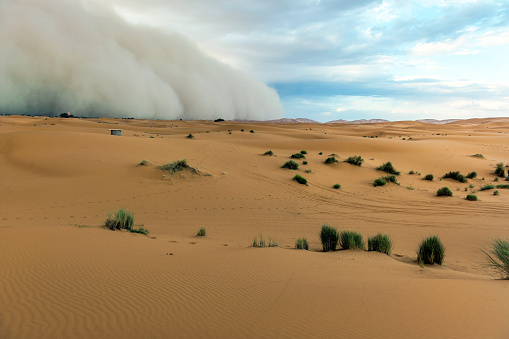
pixel 298 156
pixel 259 242
pixel 455 176
pixel 429 177
pixel 336 186
pixel 290 164
pixel 329 237
pixel 487 187
pixel 122 219
pixel 471 197
pixel 500 171
pixel 301 180
pixel 388 168
pixel 190 136
pixel 355 160
pixel 201 232
pixel 269 153
pixel 144 162
pixel 503 186
pixel 380 243
pixel 431 251
pixel 351 240
pixel 499 258
pixel 303 152
pixel 330 160
pixel 140 230
pixel 177 166
pixel 301 244
pixel 496 193
pixel 390 178
pixel 379 182
pixel 471 175
pixel 444 192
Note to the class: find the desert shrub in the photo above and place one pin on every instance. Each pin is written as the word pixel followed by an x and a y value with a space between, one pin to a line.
pixel 190 136
pixel 120 220
pixel 298 156
pixel 500 170
pixel 177 166
pixel 259 242
pixel 144 162
pixel 495 193
pixel 388 168
pixel 499 258
pixel 290 164
pixel 301 244
pixel 502 186
pixel 471 197
pixel 471 175
pixel 304 162
pixel 242 130
pixel 431 251
pixel 455 175
pixel 301 180
pixel 251 131
pixel 140 230
pixel 336 186
pixel 201 232
pixel 329 237
pixel 303 152
pixel 320 153
pixel 351 240
pixel 444 191
pixel 429 177
pixel 411 172
pixel 380 243
pixel 379 182
pixel 355 160
pixel 273 243
pixel 269 153
pixel 390 178
pixel 308 171
pixel 330 160
pixel 496 179
pixel 486 187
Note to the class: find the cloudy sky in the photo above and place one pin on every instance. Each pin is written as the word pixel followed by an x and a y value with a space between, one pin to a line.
pixel 353 59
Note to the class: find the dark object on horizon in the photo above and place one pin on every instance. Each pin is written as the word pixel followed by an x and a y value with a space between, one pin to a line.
pixel 218 120
pixel 66 115
pixel 116 132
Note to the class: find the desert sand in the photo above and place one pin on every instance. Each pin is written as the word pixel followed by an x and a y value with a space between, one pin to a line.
pixel 63 275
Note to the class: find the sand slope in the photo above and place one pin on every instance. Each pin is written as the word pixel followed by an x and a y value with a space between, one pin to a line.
pixel 63 275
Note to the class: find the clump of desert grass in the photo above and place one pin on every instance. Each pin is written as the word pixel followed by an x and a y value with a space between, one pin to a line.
pixel 303 152
pixel 487 187
pixel 290 164
pixel 201 232
pixel 300 179
pixel 273 243
pixel 379 182
pixel 144 162
pixel 500 171
pixel 190 136
pixel 269 153
pixel 298 156
pixel 455 176
pixel 388 168
pixel 259 242
pixel 499 257
pixel 380 243
pixel 351 240
pixel 329 237
pixel 355 160
pixel 471 197
pixel 121 219
pixel 428 177
pixel 503 186
pixel 140 230
pixel 390 178
pixel 471 175
pixel 431 251
pixel 444 192
pixel 330 161
pixel 177 166
pixel 336 186
pixel 301 244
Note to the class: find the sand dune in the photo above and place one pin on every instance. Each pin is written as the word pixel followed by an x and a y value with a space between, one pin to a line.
pixel 63 275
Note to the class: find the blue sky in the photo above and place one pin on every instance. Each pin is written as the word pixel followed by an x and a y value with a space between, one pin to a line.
pixel 354 59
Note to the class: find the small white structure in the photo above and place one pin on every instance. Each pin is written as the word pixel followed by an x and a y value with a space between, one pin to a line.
pixel 116 132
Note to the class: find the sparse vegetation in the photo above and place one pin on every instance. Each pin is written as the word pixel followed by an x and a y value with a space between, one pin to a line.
pixel 388 168
pixel 290 164
pixel 177 166
pixel 499 258
pixel 329 237
pixel 320 153
pixel 336 186
pixel 351 240
pixel 429 177
pixel 301 244
pixel 269 153
pixel 140 230
pixel 471 175
pixel 411 172
pixel 301 180
pixel 273 243
pixel 503 186
pixel 431 251
pixel 355 160
pixel 303 152
pixel 500 171
pixel 201 232
pixel 496 193
pixel 487 187
pixel 122 219
pixel 456 176
pixel 298 156
pixel 259 242
pixel 144 162
pixel 251 131
pixel 390 178
pixel 471 197
pixel 380 243
pixel 190 136
pixel 379 182
pixel 304 162
pixel 444 192
pixel 330 160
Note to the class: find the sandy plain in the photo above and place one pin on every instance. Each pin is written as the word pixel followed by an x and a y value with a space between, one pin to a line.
pixel 63 275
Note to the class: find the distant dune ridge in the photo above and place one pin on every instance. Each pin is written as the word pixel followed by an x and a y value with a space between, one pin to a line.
pixel 79 56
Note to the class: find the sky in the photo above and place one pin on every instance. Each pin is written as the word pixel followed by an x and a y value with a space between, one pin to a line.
pixel 353 59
